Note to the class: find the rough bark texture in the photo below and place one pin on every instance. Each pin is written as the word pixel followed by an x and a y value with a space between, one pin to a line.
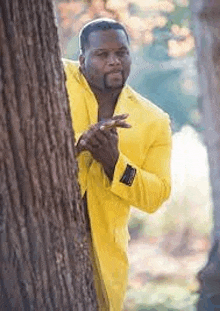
pixel 206 23
pixel 44 255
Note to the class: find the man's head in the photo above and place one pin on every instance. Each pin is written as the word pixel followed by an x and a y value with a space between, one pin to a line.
pixel 97 25
pixel 105 58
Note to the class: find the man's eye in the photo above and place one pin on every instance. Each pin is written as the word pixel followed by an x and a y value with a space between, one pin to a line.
pixel 102 54
pixel 122 53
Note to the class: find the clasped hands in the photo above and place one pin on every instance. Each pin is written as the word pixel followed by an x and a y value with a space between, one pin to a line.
pixel 101 140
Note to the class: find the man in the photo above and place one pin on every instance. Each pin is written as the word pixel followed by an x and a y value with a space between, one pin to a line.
pixel 123 149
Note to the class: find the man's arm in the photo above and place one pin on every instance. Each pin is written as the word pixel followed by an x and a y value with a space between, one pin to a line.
pixel 145 187
pixel 148 186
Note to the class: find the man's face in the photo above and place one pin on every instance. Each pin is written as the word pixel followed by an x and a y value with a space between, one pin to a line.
pixel 106 61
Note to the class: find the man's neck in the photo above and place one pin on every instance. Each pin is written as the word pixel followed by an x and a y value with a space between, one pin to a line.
pixel 107 101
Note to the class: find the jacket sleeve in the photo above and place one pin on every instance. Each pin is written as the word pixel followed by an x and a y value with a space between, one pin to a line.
pixel 149 185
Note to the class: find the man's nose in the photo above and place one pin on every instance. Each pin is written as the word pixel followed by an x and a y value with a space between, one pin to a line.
pixel 113 59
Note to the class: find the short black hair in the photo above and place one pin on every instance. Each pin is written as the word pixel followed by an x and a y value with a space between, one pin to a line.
pixel 96 25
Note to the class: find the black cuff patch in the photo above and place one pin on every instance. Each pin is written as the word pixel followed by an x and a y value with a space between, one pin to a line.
pixel 128 176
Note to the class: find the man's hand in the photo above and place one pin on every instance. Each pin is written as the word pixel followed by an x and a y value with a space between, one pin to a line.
pixel 102 141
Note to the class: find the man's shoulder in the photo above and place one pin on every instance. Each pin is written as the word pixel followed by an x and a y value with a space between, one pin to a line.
pixel 70 64
pixel 74 78
pixel 146 106
pixel 71 67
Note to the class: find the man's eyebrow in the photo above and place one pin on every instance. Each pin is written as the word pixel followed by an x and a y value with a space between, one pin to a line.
pixel 121 48
pixel 99 50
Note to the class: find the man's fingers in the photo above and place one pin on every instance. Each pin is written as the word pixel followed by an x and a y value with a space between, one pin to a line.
pixel 113 124
pixel 89 148
pixel 98 139
pixel 120 116
pixel 107 124
pixel 120 123
pixel 104 126
pixel 93 140
pixel 116 121
pixel 82 142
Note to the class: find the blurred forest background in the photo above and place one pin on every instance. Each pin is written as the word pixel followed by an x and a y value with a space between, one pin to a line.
pixel 168 248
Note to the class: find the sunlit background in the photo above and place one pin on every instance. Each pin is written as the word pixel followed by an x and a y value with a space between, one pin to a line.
pixel 168 248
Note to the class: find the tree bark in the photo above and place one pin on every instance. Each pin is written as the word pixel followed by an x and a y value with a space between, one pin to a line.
pixel 206 23
pixel 44 253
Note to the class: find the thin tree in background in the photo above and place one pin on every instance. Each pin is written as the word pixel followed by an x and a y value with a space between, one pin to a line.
pixel 44 254
pixel 206 23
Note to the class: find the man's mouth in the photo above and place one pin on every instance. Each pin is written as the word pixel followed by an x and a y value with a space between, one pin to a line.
pixel 115 76
pixel 115 73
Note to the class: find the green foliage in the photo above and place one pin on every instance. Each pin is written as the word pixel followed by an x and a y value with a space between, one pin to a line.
pixel 162 80
pixel 173 242
pixel 161 297
pixel 72 49
pixel 181 16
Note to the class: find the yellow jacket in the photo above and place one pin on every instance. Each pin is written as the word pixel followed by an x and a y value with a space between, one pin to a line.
pixel 146 147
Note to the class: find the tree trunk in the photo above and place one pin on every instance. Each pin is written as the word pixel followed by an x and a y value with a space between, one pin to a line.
pixel 44 254
pixel 206 23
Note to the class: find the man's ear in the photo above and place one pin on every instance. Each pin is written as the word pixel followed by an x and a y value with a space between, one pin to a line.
pixel 82 61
